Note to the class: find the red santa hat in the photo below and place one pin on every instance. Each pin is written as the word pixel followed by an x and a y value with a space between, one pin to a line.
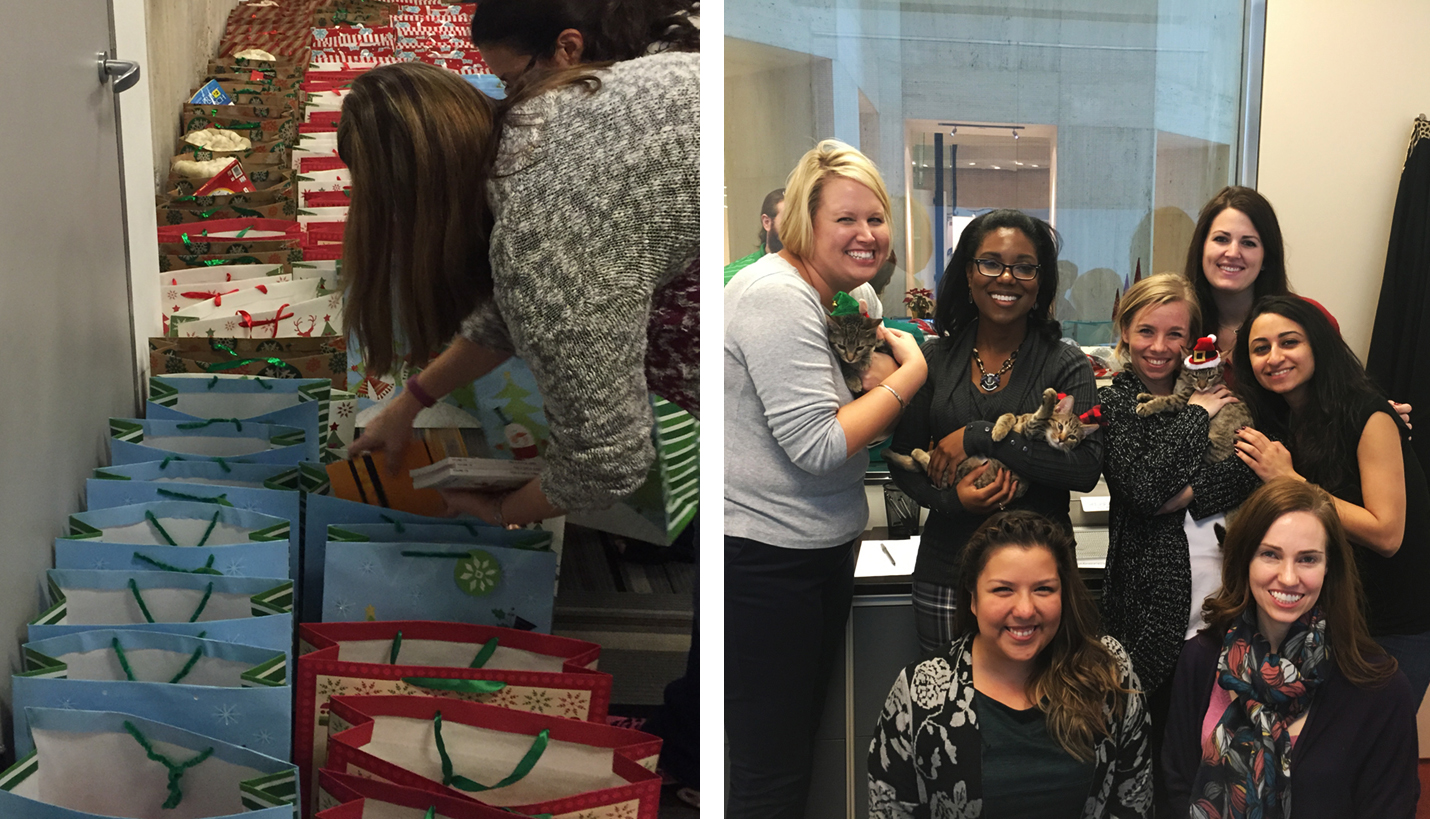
pixel 1204 356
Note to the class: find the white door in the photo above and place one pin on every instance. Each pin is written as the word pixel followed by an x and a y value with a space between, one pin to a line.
pixel 65 337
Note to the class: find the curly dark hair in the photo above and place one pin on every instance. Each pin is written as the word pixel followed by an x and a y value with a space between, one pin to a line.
pixel 613 30
pixel 1324 435
pixel 955 309
pixel 1075 674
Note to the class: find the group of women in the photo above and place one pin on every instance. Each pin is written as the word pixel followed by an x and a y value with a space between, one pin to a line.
pixel 1263 642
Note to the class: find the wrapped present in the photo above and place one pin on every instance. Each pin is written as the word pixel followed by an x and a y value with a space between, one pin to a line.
pixel 180 535
pixel 232 692
pixel 133 440
pixel 140 767
pixel 529 763
pixel 255 611
pixel 504 667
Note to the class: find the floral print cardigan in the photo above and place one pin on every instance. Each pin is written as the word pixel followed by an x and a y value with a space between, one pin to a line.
pixel 926 757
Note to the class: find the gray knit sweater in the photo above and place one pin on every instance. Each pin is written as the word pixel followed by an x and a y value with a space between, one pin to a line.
pixel 789 480
pixel 596 201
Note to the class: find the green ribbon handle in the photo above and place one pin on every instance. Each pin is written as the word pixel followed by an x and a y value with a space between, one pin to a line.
pixel 431 813
pixel 129 672
pixel 277 362
pixel 453 780
pixel 396 647
pixel 237 423
pixel 210 530
pixel 207 568
pixel 149 516
pixel 221 500
pixel 485 654
pixel 149 618
pixel 240 259
pixel 459 686
pixel 176 769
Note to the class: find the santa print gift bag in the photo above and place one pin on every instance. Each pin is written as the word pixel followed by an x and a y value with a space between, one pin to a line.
pixel 503 667
pixel 341 796
pixel 529 763
pixel 141 769
pixel 228 691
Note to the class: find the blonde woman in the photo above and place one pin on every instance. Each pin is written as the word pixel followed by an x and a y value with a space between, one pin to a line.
pixel 795 458
pixel 1028 713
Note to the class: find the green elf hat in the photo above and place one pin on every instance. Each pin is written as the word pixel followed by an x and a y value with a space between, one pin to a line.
pixel 845 305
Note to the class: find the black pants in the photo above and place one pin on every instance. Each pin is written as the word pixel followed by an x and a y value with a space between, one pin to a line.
pixel 785 611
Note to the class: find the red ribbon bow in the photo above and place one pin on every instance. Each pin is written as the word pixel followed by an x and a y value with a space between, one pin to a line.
pixel 1093 416
pixel 248 322
pixel 216 296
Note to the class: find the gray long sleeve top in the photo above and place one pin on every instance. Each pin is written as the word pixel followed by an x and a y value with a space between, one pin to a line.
pixel 949 400
pixel 789 480
pixel 596 199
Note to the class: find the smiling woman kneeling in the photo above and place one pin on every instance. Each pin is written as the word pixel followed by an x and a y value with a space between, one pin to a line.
pixel 1284 700
pixel 1028 713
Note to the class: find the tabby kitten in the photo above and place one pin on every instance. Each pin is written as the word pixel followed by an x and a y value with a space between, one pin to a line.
pixel 854 339
pixel 1230 418
pixel 1053 422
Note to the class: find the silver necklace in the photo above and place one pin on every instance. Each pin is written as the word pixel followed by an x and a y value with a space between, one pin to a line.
pixel 991 381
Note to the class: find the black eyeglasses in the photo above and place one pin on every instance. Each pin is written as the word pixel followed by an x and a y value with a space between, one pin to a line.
pixel 992 268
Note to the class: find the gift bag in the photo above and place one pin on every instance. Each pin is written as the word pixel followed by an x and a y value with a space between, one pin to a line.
pixel 304 403
pixel 318 316
pixel 341 796
pixel 179 535
pixel 255 611
pixel 133 440
pixel 135 767
pixel 228 691
pixel 502 667
pixel 307 357
pixel 490 581
pixel 530 763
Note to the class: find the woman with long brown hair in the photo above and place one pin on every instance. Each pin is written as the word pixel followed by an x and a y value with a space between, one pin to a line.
pixel 1284 702
pixel 1029 712
pixel 560 226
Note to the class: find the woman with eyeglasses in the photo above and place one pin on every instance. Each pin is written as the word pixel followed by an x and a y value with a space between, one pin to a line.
pixel 997 348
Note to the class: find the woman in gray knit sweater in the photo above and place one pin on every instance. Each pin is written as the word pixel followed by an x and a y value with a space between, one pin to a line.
pixel 560 226
pixel 997 350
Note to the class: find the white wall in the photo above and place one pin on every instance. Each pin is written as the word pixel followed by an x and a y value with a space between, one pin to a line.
pixel 1343 84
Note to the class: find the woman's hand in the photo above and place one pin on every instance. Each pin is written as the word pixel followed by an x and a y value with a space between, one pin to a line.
pixel 905 349
pixel 1403 410
pixel 1267 458
pixel 945 458
pixel 881 366
pixel 1214 400
pixel 389 433
pixel 1177 502
pixel 992 498
pixel 484 505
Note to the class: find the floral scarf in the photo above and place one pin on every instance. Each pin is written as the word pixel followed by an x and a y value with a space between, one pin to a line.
pixel 1246 761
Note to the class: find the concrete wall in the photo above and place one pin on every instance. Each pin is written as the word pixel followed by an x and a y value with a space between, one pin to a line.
pixel 183 36
pixel 1342 87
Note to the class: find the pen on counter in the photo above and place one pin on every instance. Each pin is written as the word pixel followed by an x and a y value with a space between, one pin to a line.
pixel 888 555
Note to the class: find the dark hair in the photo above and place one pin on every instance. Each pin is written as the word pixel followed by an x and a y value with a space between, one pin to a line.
pixel 1341 599
pixel 1075 674
pixel 1324 435
pixel 1271 281
pixel 955 309
pixel 418 141
pixel 612 30
pixel 770 207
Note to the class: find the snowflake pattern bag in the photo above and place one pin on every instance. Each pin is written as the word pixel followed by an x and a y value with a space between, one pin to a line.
pixel 134 440
pixel 341 796
pixel 179 535
pixel 324 414
pixel 255 611
pixel 496 578
pixel 528 763
pixel 228 691
pixel 140 768
pixel 502 667
pixel 272 489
